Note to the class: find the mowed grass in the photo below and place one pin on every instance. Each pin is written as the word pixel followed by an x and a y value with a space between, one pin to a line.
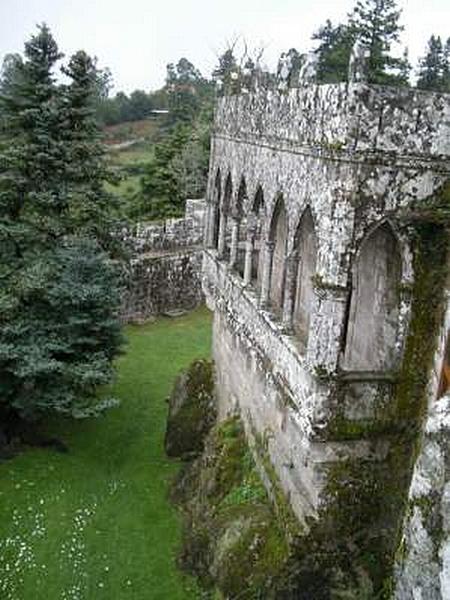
pixel 145 128
pixel 96 523
pixel 138 154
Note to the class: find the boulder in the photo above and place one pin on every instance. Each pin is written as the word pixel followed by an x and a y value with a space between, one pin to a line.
pixel 192 411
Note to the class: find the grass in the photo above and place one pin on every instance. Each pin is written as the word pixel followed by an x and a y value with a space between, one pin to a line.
pixel 95 524
pixel 138 154
pixel 145 128
pixel 128 186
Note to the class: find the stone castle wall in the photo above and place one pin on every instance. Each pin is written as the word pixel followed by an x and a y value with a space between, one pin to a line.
pixel 309 268
pixel 423 564
pixel 164 272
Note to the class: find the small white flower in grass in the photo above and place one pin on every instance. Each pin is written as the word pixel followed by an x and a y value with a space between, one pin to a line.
pixel 101 584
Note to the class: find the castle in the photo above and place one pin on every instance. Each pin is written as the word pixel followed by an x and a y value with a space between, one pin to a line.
pixel 325 263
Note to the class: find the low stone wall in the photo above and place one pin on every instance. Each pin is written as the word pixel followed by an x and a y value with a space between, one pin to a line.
pixel 164 273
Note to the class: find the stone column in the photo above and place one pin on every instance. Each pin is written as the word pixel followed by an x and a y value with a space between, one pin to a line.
pixel 222 234
pixel 234 242
pixel 269 247
pixel 289 292
pixel 249 247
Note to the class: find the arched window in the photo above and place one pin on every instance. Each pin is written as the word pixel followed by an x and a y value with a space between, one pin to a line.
pixel 215 212
pixel 278 235
pixel 305 247
pixel 374 303
pixel 225 222
pixel 257 223
pixel 237 259
pixel 444 383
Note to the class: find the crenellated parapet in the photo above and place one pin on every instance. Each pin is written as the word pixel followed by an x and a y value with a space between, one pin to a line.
pixel 356 121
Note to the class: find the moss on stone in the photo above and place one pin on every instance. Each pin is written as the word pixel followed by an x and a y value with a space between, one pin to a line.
pixel 233 538
pixel 192 410
pixel 367 500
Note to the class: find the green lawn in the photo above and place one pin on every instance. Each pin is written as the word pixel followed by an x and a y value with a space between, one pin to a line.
pixel 95 523
pixel 140 153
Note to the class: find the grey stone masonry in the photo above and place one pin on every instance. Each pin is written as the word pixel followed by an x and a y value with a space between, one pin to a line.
pixel 423 565
pixel 309 337
pixel 164 273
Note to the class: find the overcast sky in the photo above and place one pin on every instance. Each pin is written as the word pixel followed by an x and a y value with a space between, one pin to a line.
pixel 137 38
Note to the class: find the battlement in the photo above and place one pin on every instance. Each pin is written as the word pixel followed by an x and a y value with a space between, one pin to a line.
pixel 352 119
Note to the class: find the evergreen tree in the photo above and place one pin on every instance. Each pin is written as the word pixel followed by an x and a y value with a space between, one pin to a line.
pixel 91 208
pixel 227 74
pixel 59 333
pixel 376 24
pixel 58 294
pixel 160 194
pixel 32 154
pixel 434 67
pixel 334 52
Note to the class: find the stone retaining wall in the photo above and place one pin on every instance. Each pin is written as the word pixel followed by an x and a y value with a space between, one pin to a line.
pixel 164 273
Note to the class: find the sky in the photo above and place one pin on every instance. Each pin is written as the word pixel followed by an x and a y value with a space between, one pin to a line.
pixel 137 38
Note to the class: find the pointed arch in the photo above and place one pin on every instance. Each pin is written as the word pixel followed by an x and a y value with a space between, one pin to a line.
pixel 225 226
pixel 258 201
pixel 305 248
pixel 444 381
pixel 374 303
pixel 238 229
pixel 278 235
pixel 257 218
pixel 240 199
pixel 215 211
pixel 227 195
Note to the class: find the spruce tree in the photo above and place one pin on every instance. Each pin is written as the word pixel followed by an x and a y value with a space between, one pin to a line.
pixel 91 209
pixel 59 294
pixel 434 67
pixel 31 152
pixel 376 24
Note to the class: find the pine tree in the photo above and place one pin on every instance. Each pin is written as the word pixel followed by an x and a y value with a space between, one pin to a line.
pixel 334 52
pixel 433 72
pixel 376 24
pixel 446 74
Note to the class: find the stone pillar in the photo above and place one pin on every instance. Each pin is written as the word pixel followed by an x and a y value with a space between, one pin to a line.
pixel 222 234
pixel 249 247
pixel 289 292
pixel 234 242
pixel 269 247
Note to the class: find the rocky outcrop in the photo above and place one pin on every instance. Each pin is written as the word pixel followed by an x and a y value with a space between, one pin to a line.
pixel 192 411
pixel 233 539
